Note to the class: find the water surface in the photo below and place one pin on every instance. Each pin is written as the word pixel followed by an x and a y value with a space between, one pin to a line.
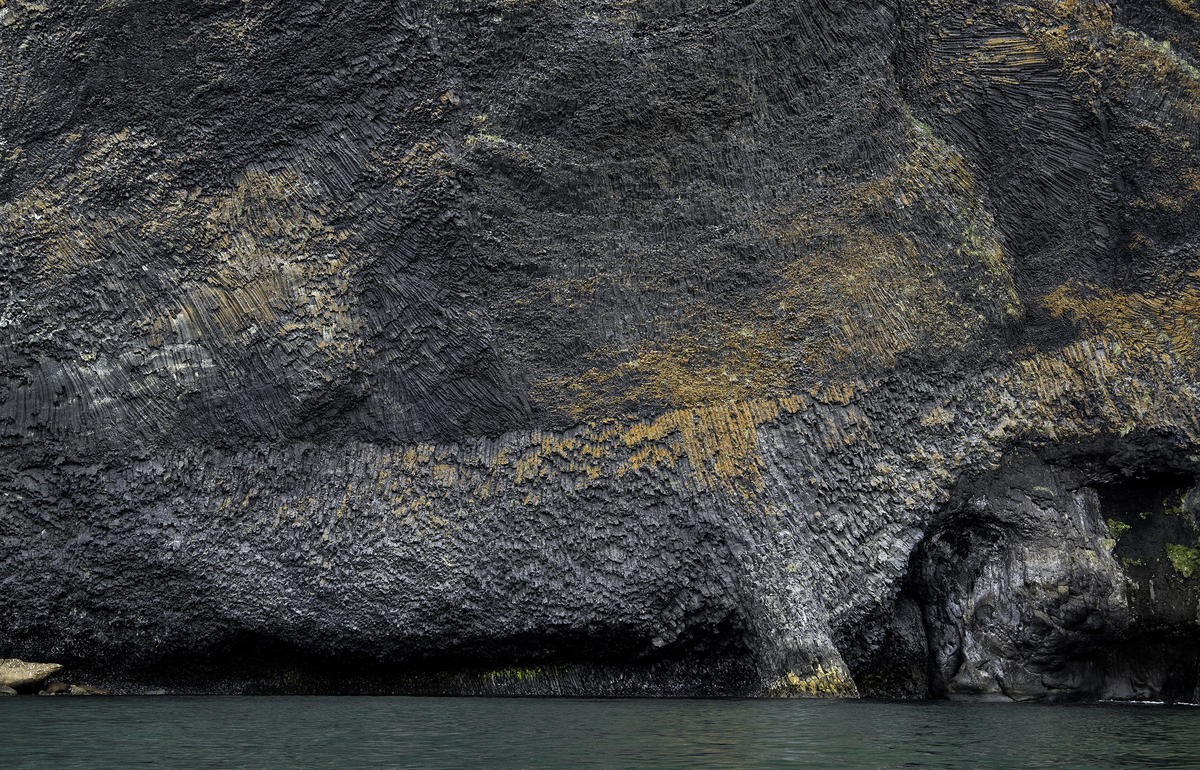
pixel 351 732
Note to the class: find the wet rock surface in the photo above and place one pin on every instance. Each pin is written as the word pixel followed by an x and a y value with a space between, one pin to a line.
pixel 820 349
pixel 1029 591
pixel 63 688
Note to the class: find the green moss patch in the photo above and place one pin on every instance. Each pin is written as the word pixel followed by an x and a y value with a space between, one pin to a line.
pixel 1185 560
pixel 1116 529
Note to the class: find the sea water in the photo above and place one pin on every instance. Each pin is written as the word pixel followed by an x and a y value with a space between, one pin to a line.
pixel 385 732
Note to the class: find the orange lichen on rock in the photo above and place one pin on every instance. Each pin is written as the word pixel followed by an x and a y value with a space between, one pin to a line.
pixel 736 363
pixel 279 268
pixel 868 289
pixel 720 443
pixel 861 288
pixel 1140 322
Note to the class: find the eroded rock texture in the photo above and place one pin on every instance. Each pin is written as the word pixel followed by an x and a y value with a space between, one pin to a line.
pixel 829 347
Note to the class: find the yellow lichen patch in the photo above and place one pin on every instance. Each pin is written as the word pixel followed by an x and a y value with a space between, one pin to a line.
pixel 490 484
pixel 861 290
pixel 717 447
pixel 1090 387
pixel 1140 322
pixel 254 261
pixel 824 682
pixel 720 443
pixel 740 363
pixel 550 454
pixel 485 142
pixel 345 504
pixel 859 298
pixel 1146 63
pixel 1003 58
pixel 872 302
pixel 382 479
pixel 836 392
pixel 714 448
pixel 1098 54
pixel 938 417
pixel 864 289
pixel 930 174
pixel 444 475
pixel 513 674
pixel 1183 196
pixel 964 252
pixel 1185 7
pixel 416 456
pixel 277 269
pixel 1103 65
pixel 421 164
pixel 122 184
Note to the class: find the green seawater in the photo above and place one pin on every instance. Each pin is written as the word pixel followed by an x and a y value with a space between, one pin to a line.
pixel 351 732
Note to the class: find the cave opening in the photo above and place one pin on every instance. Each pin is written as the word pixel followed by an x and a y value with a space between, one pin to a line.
pixel 707 660
pixel 1059 579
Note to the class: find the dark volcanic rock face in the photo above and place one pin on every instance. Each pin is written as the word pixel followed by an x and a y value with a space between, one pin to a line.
pixel 1023 597
pixel 633 347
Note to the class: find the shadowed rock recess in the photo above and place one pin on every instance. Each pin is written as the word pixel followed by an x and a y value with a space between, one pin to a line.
pixel 612 347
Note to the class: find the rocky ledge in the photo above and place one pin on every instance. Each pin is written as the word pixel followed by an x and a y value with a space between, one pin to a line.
pixel 19 677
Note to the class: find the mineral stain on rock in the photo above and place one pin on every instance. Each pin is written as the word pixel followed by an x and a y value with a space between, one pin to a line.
pixel 618 347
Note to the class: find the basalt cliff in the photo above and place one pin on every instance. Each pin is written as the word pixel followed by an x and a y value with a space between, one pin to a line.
pixel 610 347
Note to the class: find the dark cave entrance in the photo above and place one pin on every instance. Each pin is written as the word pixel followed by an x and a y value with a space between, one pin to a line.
pixel 1062 579
pixel 617 661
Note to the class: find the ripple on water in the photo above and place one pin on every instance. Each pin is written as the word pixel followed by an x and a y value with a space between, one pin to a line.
pixel 341 732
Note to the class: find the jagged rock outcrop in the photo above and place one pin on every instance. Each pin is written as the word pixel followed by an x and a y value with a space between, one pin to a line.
pixel 615 347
